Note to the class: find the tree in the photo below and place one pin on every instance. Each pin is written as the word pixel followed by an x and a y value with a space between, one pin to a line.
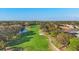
pixel 53 33
pixel 63 38
pixel 2 44
pixel 77 47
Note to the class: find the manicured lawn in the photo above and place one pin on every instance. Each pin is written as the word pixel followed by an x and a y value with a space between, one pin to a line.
pixel 31 40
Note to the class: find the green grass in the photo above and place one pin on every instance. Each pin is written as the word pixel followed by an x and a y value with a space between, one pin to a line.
pixel 31 40
pixel 73 44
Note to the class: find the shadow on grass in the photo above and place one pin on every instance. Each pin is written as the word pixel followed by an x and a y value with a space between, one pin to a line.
pixel 25 37
pixel 17 48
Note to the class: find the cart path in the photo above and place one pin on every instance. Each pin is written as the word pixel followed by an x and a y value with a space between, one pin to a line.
pixel 53 47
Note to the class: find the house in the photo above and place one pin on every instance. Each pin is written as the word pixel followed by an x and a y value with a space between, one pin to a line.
pixel 71 29
pixel 73 32
pixel 66 27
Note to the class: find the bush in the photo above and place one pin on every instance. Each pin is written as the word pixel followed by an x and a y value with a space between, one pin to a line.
pixel 54 34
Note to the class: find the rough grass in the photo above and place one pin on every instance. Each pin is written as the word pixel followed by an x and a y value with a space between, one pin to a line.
pixel 73 44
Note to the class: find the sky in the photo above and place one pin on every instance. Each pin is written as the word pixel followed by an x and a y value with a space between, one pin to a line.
pixel 42 14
